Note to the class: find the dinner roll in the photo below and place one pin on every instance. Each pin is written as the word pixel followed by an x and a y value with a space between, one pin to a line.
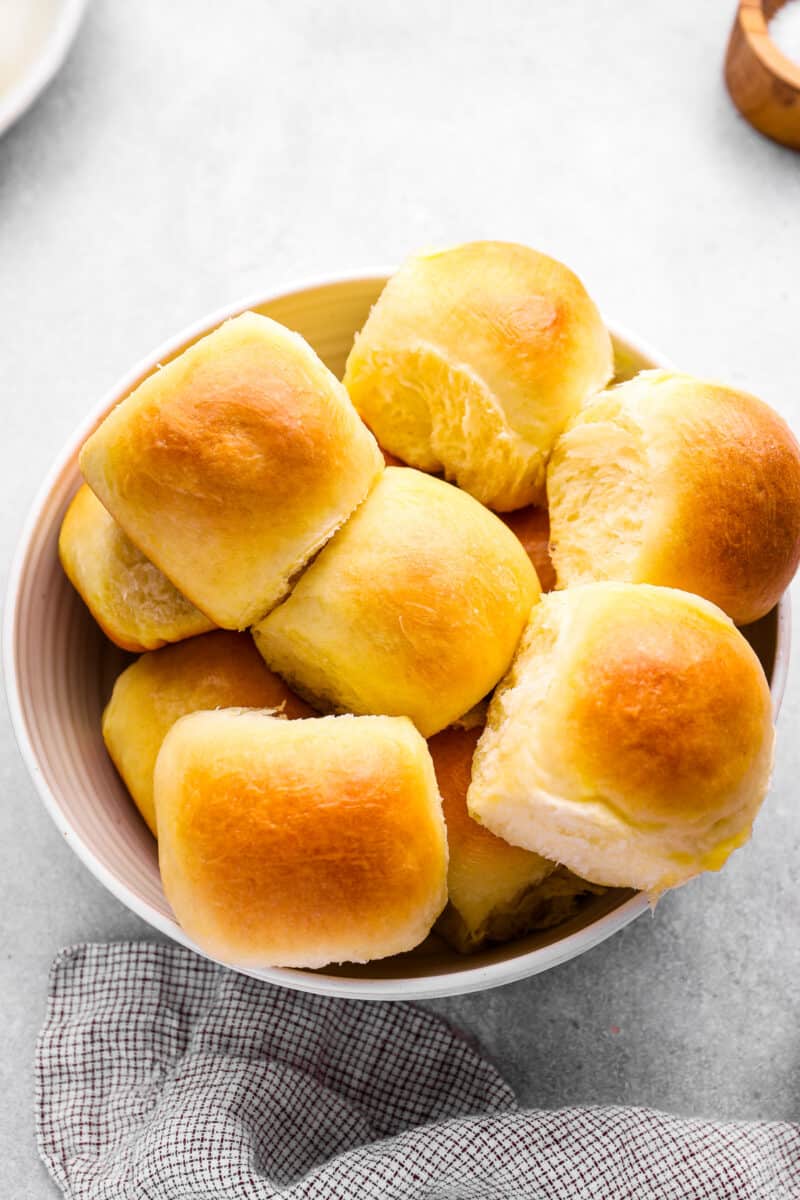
pixel 218 670
pixel 473 360
pixel 300 843
pixel 496 891
pixel 131 600
pixel 414 608
pixel 671 480
pixel 631 740
pixel 532 526
pixel 231 466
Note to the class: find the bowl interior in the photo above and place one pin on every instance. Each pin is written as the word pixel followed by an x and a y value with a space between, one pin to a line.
pixel 61 668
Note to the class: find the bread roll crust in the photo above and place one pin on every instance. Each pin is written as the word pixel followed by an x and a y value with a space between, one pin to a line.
pixel 472 361
pixel 632 739
pixel 217 670
pixel 300 843
pixel 231 466
pixel 133 602
pixel 485 873
pixel 678 482
pixel 532 527
pixel 414 608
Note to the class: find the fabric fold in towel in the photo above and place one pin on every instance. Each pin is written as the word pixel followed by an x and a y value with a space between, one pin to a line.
pixel 161 1076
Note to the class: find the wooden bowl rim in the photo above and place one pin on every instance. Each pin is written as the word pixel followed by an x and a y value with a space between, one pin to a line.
pixel 754 24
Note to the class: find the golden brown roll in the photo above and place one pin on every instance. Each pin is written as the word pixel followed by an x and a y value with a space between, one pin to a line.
pixel 532 526
pixel 414 608
pixel 300 843
pixel 631 740
pixel 674 481
pixel 473 360
pixel 218 670
pixel 495 891
pixel 131 600
pixel 232 465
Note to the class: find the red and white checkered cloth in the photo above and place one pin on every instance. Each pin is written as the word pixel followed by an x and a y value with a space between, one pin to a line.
pixel 163 1077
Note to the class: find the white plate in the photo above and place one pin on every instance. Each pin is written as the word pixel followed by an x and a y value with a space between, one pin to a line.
pixel 35 36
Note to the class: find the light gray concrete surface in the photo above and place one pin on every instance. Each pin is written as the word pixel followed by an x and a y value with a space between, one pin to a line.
pixel 195 151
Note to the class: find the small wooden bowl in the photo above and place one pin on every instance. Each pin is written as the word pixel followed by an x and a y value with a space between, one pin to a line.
pixel 764 84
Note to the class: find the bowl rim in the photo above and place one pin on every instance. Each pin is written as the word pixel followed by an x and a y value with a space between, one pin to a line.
pixel 45 65
pixel 470 979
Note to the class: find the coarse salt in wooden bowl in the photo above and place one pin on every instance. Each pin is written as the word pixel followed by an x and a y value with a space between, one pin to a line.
pixel 763 82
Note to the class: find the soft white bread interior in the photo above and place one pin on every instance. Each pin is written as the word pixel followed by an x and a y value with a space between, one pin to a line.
pixel 217 670
pixel 414 608
pixel 473 360
pixel 496 891
pixel 231 465
pixel 132 601
pixel 631 740
pixel 674 481
pixel 300 843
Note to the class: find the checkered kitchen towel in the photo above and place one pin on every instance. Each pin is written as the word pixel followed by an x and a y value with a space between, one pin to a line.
pixel 163 1077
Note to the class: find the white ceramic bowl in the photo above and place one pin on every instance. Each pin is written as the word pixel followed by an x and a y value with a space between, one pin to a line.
pixel 60 669
pixel 50 27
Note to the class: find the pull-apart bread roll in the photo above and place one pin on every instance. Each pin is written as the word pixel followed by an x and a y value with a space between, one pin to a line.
pixel 495 891
pixel 219 670
pixel 631 740
pixel 232 465
pixel 670 480
pixel 132 601
pixel 300 843
pixel 414 608
pixel 473 360
pixel 532 527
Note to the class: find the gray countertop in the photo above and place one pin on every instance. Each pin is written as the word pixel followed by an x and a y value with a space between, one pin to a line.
pixel 193 152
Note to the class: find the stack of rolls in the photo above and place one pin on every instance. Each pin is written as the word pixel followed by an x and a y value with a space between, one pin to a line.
pixel 543 583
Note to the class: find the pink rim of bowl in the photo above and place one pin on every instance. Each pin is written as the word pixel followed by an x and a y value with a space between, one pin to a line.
pixel 59 669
